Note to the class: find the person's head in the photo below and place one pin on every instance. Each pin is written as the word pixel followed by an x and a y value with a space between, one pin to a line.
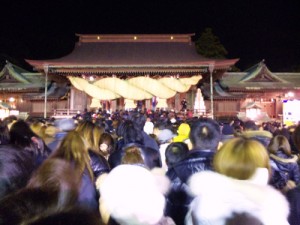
pixel 91 133
pixel 50 132
pixel 250 125
pixel 106 144
pixel 183 132
pixel 57 175
pixel 139 119
pixel 15 169
pixel 227 129
pixel 279 142
pixel 132 155
pixel 27 203
pixel 65 125
pixel 38 128
pixel 240 158
pixel 175 152
pixel 131 194
pixel 130 132
pixel 242 219
pixel 205 134
pixel 21 134
pixel 73 149
pixel 165 136
pixel 148 127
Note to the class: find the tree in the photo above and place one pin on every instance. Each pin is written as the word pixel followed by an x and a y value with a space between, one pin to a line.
pixel 209 45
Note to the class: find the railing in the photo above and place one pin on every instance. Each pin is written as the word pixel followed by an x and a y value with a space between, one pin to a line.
pixel 65 113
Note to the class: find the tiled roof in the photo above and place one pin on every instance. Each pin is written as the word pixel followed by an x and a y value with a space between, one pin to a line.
pixel 261 78
pixel 13 78
pixel 124 53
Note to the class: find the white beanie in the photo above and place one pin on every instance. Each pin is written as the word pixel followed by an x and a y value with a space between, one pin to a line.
pixel 148 127
pixel 132 195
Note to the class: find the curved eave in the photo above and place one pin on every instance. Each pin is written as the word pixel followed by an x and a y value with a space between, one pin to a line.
pixel 72 67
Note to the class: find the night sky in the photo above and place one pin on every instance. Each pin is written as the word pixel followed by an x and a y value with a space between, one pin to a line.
pixel 250 30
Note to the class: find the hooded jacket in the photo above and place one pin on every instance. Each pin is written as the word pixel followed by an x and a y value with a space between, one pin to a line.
pixel 262 136
pixel 183 133
pixel 218 197
pixel 284 168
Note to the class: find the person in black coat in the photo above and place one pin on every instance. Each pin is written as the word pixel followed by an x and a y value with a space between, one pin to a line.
pixel 129 134
pixel 22 136
pixel 205 137
pixel 73 149
pixel 139 120
pixel 15 170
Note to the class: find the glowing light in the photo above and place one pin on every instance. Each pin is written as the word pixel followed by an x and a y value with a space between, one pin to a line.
pixel 11 99
pixel 172 37
pixel 290 94
pixel 135 37
pixel 253 113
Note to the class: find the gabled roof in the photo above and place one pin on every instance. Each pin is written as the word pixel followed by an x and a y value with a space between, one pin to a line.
pixel 252 105
pixel 259 77
pixel 220 93
pixel 14 78
pixel 148 53
pixel 260 73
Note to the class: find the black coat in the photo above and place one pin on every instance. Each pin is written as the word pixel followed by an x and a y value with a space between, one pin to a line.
pixel 98 163
pixel 178 199
pixel 293 196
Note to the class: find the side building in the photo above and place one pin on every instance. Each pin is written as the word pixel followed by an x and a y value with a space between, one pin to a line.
pixel 23 92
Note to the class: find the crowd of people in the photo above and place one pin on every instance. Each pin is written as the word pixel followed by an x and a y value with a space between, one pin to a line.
pixel 148 168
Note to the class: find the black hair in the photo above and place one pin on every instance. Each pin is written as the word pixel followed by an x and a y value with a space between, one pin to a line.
pixel 16 167
pixel 250 125
pixel 175 152
pixel 205 134
pixel 130 132
pixel 242 219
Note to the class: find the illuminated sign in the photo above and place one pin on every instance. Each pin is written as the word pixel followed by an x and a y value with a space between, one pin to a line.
pixel 291 112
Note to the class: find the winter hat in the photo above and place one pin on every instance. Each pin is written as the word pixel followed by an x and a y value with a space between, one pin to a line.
pixel 133 195
pixel 183 132
pixel 165 135
pixel 148 127
pixel 65 124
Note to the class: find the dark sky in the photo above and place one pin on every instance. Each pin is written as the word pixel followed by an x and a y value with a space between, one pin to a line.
pixel 250 30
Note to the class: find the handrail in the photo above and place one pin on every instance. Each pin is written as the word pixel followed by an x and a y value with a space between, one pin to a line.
pixel 65 112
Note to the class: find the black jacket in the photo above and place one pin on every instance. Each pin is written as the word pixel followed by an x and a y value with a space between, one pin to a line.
pixel 293 196
pixel 99 164
pixel 178 198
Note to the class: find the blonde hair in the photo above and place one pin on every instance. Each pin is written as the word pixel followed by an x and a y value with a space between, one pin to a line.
pixel 132 155
pixel 91 133
pixel 38 128
pixel 279 142
pixel 240 157
pixel 73 149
